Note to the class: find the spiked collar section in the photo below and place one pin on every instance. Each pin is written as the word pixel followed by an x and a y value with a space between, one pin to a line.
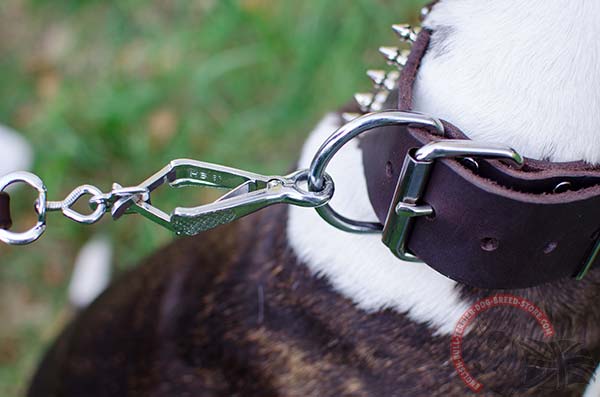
pixel 485 223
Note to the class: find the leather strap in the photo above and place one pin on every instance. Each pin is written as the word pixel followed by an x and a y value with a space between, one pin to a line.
pixel 500 227
pixel 5 220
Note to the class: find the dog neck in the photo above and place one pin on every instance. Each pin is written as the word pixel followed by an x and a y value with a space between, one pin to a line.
pixel 500 71
pixel 519 73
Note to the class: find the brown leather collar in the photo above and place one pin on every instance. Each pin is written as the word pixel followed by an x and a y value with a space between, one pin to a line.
pixel 497 227
pixel 5 221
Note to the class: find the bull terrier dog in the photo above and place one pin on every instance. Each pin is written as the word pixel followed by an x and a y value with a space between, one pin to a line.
pixel 281 303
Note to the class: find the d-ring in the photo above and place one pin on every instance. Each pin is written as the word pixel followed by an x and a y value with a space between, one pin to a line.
pixel 342 136
pixel 36 231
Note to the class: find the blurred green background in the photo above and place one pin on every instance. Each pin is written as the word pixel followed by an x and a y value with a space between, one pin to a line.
pixel 111 91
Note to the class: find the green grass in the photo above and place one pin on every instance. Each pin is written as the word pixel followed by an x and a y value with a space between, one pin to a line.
pixel 111 92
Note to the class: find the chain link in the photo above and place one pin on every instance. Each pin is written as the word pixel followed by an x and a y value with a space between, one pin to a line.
pixel 99 202
pixel 66 205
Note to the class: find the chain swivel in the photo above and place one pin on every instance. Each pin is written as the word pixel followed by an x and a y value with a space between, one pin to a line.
pixel 66 205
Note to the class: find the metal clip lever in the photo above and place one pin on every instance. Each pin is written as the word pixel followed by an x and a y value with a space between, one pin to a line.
pixel 251 192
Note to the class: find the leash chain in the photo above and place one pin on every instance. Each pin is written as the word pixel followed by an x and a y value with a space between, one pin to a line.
pixel 249 192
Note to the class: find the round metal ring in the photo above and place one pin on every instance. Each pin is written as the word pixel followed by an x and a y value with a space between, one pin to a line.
pixel 312 199
pixel 342 136
pixel 38 229
pixel 81 191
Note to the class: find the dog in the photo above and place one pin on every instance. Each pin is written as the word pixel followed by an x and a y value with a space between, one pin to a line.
pixel 282 304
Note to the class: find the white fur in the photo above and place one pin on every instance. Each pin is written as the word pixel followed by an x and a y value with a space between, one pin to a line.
pixel 593 389
pixel 16 151
pixel 91 273
pixel 360 266
pixel 523 73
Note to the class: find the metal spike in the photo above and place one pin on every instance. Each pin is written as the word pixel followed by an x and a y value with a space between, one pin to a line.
pixel 383 79
pixel 378 76
pixel 379 100
pixel 402 58
pixel 364 100
pixel 390 53
pixel 406 32
pixel 425 11
pixel 391 79
pixel 348 117
pixel 376 107
pixel 394 56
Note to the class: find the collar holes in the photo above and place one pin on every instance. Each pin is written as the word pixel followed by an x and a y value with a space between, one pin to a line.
pixel 489 244
pixel 389 169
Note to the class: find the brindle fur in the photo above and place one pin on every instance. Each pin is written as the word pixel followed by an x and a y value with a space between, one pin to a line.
pixel 232 312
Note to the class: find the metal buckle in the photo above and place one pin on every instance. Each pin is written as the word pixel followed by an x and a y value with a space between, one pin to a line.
pixel 412 183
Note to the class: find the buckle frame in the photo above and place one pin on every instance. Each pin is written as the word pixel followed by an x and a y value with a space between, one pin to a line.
pixel 414 176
